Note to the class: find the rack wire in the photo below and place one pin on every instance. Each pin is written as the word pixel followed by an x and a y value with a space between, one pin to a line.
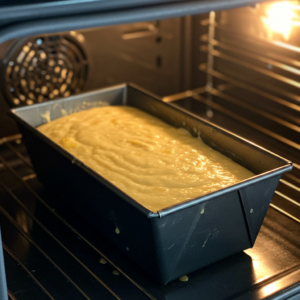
pixel 263 106
pixel 56 242
pixel 281 198
pixel 18 213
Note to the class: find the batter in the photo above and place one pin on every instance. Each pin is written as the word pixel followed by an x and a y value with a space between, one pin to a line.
pixel 156 164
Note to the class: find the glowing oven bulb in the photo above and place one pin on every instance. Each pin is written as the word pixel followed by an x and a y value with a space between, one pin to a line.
pixel 280 18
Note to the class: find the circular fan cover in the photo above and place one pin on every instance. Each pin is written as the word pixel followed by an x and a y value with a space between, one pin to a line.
pixel 44 68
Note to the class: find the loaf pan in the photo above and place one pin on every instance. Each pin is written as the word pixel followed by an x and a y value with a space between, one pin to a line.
pixel 178 239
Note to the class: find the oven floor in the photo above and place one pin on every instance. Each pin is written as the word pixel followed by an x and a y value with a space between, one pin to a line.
pixel 50 252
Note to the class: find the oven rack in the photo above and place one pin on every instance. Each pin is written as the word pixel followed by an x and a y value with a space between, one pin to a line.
pixel 287 196
pixel 252 89
pixel 18 214
pixel 267 69
pixel 50 252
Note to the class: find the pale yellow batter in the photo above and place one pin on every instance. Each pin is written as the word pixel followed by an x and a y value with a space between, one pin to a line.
pixel 154 163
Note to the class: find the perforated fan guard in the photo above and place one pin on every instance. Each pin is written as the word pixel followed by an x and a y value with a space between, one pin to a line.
pixel 42 68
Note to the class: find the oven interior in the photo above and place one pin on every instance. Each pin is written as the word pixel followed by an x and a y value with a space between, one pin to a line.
pixel 237 68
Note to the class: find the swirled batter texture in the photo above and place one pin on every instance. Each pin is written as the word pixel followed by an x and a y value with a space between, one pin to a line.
pixel 156 164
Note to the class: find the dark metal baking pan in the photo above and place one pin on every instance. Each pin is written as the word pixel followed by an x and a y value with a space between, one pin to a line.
pixel 176 240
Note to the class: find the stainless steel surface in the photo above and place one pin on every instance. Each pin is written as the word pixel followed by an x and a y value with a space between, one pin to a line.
pixel 109 58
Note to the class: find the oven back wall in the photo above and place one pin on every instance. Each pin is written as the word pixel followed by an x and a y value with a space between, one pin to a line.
pixel 147 53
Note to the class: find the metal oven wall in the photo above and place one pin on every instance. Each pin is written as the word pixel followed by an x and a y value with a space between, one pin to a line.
pixel 147 53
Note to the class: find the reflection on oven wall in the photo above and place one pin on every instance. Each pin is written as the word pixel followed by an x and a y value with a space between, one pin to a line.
pixel 48 67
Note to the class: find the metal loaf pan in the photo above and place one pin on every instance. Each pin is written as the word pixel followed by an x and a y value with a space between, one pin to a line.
pixel 179 239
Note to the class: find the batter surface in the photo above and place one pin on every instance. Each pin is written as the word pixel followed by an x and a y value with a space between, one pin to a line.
pixel 156 164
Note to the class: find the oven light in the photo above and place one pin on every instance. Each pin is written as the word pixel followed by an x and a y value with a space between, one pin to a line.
pixel 280 18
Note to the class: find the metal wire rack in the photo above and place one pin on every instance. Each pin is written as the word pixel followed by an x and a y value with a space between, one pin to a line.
pixel 52 253
pixel 288 185
pixel 252 93
pixel 28 218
